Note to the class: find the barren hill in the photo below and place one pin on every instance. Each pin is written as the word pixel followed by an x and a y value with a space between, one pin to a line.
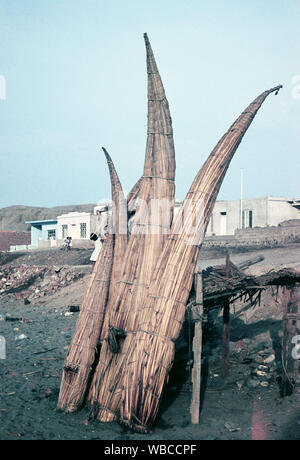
pixel 14 217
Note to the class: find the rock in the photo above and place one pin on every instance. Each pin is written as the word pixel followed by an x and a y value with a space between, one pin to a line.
pixel 258 359
pixel 21 337
pixel 269 359
pixel 231 427
pixel 266 351
pixel 252 383
pixel 261 367
pixel 12 319
pixel 264 384
pixel 231 346
pixel 239 385
pixel 239 345
pixel 260 373
pixel 74 308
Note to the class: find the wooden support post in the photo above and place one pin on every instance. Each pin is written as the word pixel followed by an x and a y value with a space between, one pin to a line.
pixel 226 319
pixel 291 340
pixel 228 269
pixel 225 340
pixel 296 349
pixel 197 312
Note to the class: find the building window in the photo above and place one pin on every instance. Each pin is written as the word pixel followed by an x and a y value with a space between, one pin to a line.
pixel 51 234
pixel 83 230
pixel 247 218
pixel 64 228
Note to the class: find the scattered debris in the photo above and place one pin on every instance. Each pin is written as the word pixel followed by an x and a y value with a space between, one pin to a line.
pixel 34 282
pixel 231 427
pixel 74 308
pixel 21 337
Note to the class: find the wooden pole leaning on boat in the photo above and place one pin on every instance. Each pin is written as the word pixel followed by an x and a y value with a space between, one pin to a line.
pixel 226 332
pixel 196 316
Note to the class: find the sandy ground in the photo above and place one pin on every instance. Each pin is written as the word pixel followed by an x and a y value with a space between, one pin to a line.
pixel 231 408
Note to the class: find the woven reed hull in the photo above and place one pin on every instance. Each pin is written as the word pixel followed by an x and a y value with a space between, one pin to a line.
pixel 120 230
pixel 147 239
pixel 133 194
pixel 151 350
pixel 119 219
pixel 82 352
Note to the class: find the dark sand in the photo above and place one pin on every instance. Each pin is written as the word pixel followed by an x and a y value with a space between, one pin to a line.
pixel 30 379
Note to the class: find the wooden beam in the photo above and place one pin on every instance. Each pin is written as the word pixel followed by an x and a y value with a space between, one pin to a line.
pixel 290 352
pixel 247 263
pixel 197 312
pixel 225 340
pixel 226 318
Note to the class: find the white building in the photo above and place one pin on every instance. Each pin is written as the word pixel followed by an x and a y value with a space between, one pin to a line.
pixel 77 225
pixel 228 216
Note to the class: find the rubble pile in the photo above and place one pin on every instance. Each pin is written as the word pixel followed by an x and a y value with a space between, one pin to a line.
pixel 255 363
pixel 33 282
pixel 263 367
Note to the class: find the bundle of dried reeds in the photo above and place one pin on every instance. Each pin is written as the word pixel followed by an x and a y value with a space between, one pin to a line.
pixel 140 380
pixel 83 349
pixel 120 231
pixel 145 303
pixel 151 225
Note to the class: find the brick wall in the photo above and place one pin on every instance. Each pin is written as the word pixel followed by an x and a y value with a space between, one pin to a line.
pixel 8 239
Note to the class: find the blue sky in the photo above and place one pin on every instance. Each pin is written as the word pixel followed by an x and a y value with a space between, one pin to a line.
pixel 75 76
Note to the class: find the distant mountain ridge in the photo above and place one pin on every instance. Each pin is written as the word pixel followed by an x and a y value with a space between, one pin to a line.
pixel 13 218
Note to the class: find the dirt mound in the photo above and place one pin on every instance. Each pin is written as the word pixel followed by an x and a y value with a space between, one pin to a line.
pixel 47 257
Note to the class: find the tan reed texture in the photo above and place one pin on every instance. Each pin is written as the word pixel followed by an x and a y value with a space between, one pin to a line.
pixel 147 237
pixel 83 349
pixel 133 194
pixel 141 378
pixel 120 230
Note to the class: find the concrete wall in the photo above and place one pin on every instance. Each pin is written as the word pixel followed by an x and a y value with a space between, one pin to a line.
pixel 287 232
pixel 36 234
pixel 279 210
pixel 19 247
pixel 268 211
pixel 226 216
pixel 46 228
pixel 40 232
pixel 73 221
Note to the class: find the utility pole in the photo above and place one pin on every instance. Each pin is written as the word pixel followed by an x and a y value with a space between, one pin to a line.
pixel 241 198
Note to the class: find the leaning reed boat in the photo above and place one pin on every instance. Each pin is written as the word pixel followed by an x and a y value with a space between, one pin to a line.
pixel 148 353
pixel 149 233
pixel 134 307
pixel 84 346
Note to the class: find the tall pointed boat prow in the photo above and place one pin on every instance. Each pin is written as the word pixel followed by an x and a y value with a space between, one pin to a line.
pixel 83 349
pixel 150 352
pixel 148 236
